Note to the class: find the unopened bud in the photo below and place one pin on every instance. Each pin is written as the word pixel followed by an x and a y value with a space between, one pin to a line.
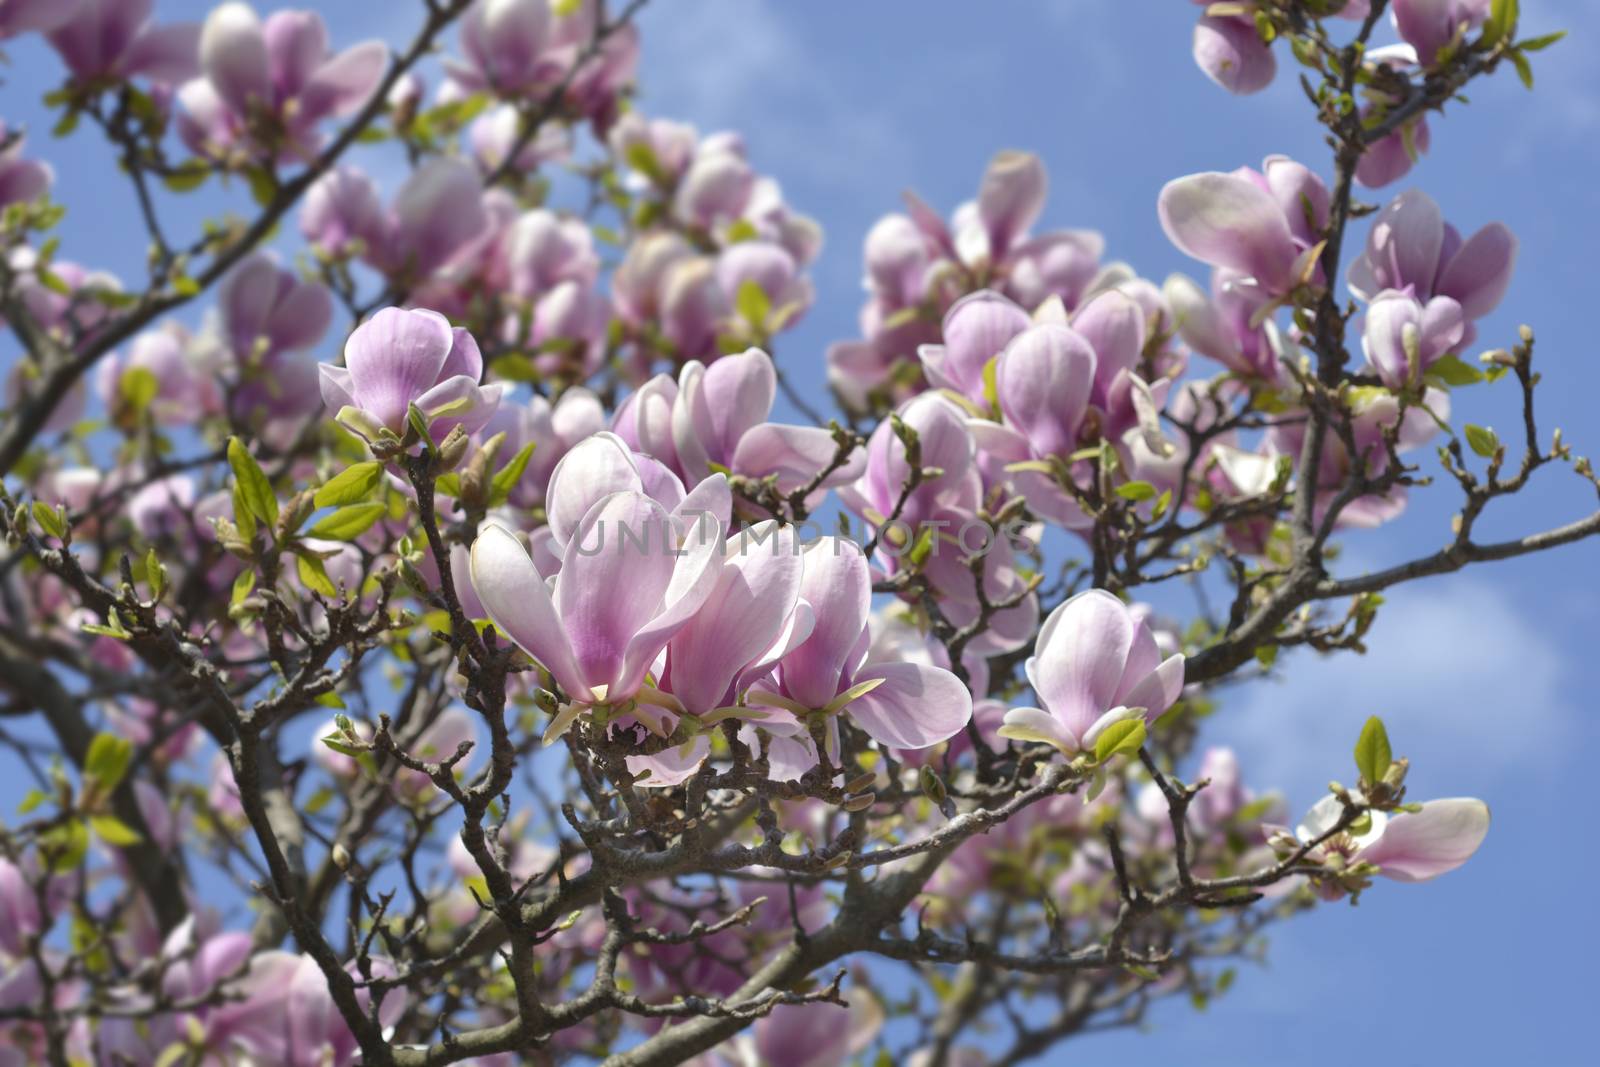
pixel 861 782
pixel 340 856
pixel 859 803
pixel 299 508
pixel 932 785
pixel 453 449
pixel 1395 776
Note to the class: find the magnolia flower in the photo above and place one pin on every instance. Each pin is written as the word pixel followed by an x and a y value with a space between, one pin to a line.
pixel 114 40
pixel 916 262
pixel 602 464
pixel 265 309
pixel 1225 325
pixel 1044 382
pixel 717 186
pixel 1431 25
pixel 553 430
pixel 902 705
pixel 399 358
pixel 437 213
pixel 1095 663
pixel 1266 225
pixel 342 213
pixel 1374 412
pixel 21 180
pixel 29 16
pixel 1410 248
pixel 288 1016
pixel 186 379
pixel 280 69
pixel 945 443
pixel 632 575
pixel 1413 846
pixel 1403 336
pixel 719 422
pixel 976 329
pixel 752 617
pixel 503 40
pixel 1229 49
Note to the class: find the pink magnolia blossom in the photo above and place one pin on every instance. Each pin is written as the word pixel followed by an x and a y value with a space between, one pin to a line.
pixel 1094 664
pixel 1406 846
pixel 398 358
pixel 21 180
pixel 1411 249
pixel 902 705
pixel 34 16
pixel 117 39
pixel 1264 224
pixel 632 575
pixel 265 87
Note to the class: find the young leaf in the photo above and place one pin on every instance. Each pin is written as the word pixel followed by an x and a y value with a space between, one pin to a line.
pixel 113 831
pixel 752 303
pixel 1373 754
pixel 50 520
pixel 1136 491
pixel 107 761
pixel 254 488
pixel 507 477
pixel 347 523
pixel 1484 441
pixel 350 486
pixel 314 576
pixel 1123 737
pixel 155 575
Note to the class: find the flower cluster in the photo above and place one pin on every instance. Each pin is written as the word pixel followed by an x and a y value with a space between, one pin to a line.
pixel 646 716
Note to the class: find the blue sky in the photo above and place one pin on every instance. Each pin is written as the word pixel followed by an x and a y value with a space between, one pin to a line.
pixel 1482 676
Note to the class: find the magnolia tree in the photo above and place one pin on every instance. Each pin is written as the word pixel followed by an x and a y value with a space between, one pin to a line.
pixel 512 687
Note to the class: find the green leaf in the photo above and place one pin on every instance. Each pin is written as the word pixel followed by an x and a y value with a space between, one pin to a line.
pixel 341 746
pixel 1484 441
pixel 32 801
pixel 137 388
pixel 64 847
pixel 1123 737
pixel 107 760
pixel 1539 44
pixel 1524 69
pixel 507 477
pixel 350 486
pixel 347 523
pixel 642 158
pixel 753 304
pixel 1136 491
pixel 188 176
pixel 155 575
pixel 263 186
pixel 251 481
pixel 113 831
pixel 419 425
pixel 1501 23
pixel 243 586
pixel 1373 754
pixel 50 519
pixel 741 230
pixel 1452 370
pixel 314 576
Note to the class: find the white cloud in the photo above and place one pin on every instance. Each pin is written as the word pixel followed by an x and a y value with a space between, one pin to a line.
pixel 1469 687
